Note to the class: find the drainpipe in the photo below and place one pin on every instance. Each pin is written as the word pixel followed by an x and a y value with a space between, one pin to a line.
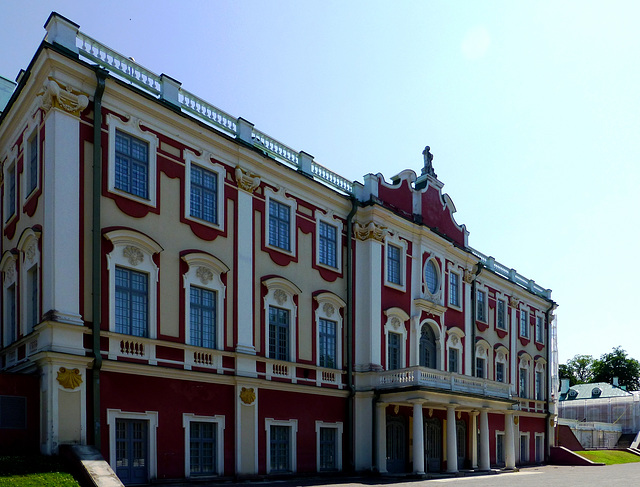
pixel 350 402
pixel 101 76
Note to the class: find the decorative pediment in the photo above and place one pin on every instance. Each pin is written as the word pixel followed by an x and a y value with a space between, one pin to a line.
pixel 429 307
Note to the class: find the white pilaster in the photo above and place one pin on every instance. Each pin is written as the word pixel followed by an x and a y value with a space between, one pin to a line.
pixel 381 438
pixel 509 441
pixel 513 353
pixel 468 329
pixel 245 288
pixel 246 429
pixel 418 439
pixel 452 444
pixel 485 462
pixel 474 439
pixel 60 236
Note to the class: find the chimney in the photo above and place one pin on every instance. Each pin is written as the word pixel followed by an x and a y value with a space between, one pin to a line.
pixel 564 386
pixel 615 381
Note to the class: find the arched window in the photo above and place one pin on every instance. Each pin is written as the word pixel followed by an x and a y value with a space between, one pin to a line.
pixel 428 348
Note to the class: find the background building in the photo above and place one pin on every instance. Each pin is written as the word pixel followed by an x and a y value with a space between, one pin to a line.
pixel 198 299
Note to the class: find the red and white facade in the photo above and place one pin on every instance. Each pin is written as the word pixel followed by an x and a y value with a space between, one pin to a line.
pixel 221 305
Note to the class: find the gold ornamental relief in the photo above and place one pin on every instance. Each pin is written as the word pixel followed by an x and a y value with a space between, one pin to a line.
pixel 246 181
pixel 247 395
pixel 69 378
pixel 57 95
pixel 370 230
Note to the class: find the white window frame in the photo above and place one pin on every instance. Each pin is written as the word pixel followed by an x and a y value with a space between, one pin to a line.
pixel 204 163
pixel 32 130
pixel 539 321
pixel 501 433
pixel 525 363
pixel 7 168
pixel 9 267
pixel 524 308
pixel 133 250
pixel 402 246
pixel 539 456
pixel 502 298
pixel 436 296
pixel 459 295
pixel 152 418
pixel 481 288
pixel 502 357
pixel 482 352
pixel 280 294
pixel 205 272
pixel 281 197
pixel 454 341
pixel 219 420
pixel 338 427
pixel 30 260
pixel 132 128
pixel 396 318
pixel 329 308
pixel 330 219
pixel 292 424
pixel 541 369
pixel 528 449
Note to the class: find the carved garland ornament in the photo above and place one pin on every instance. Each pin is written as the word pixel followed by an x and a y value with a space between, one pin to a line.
pixel 247 395
pixel 133 254
pixel 31 252
pixel 328 309
pixel 10 273
pixel 69 378
pixel 395 322
pixel 370 230
pixel 205 275
pixel 246 181
pixel 280 296
pixel 57 95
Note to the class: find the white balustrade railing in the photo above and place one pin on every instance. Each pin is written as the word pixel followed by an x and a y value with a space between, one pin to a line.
pixel 208 113
pixel 421 376
pixel 331 177
pixel 275 148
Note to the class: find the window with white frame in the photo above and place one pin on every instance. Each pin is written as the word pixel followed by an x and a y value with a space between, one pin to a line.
pixel 133 279
pixel 501 374
pixel 539 446
pixel 432 277
pixel 454 360
pixel 523 376
pixel 539 329
pixel 328 240
pixel 9 192
pixel 204 445
pixel 394 264
pixel 281 221
pixel 524 448
pixel 204 300
pixel 500 457
pixel 481 305
pixel 454 289
pixel 428 347
pixel 482 356
pixel 280 318
pixel 539 380
pixel 205 188
pixel 31 163
pixel 116 445
pixel 329 330
pixel 454 350
pixel 328 446
pixel 132 160
pixel 501 314
pixel 524 323
pixel 281 445
pixel 9 272
pixel 29 282
pixel 481 365
pixel 396 336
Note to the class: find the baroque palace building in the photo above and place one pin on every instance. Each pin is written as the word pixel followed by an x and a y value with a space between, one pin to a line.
pixel 197 299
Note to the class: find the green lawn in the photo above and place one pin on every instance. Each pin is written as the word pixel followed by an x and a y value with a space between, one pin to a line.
pixel 36 471
pixel 609 457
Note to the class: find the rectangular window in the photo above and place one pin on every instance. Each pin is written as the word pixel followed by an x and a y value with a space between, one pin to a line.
pixel 328 246
pixel 32 164
pixel 453 360
pixel 539 329
pixel 204 194
pixel 501 321
pixel 202 448
pixel 499 372
pixel 10 320
pixel 279 225
pixel 203 317
pixel 500 449
pixel 454 289
pixel 33 316
pixel 13 412
pixel 280 448
pixel 132 165
pixel 395 340
pixel 328 449
pixel 480 367
pixel 327 338
pixel 132 302
pixel 10 193
pixel 523 383
pixel 524 324
pixel 393 264
pixel 278 333
pixel 539 446
pixel 481 306
pixel 539 386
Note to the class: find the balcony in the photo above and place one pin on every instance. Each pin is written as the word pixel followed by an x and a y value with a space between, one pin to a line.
pixel 422 377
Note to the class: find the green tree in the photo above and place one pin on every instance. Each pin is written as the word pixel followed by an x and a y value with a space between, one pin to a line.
pixel 577 370
pixel 566 372
pixel 617 364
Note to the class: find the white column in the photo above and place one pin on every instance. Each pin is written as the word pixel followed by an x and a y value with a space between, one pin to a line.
pixel 474 439
pixel 509 444
pixel 60 237
pixel 485 462
pixel 418 439
pixel 381 438
pixel 245 284
pixel 452 446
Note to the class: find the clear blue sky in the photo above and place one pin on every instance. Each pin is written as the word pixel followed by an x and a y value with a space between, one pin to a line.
pixel 531 109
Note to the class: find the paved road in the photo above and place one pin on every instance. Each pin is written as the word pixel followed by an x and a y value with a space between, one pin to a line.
pixel 546 476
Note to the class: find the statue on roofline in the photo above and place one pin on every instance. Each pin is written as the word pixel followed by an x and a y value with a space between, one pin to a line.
pixel 428 163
